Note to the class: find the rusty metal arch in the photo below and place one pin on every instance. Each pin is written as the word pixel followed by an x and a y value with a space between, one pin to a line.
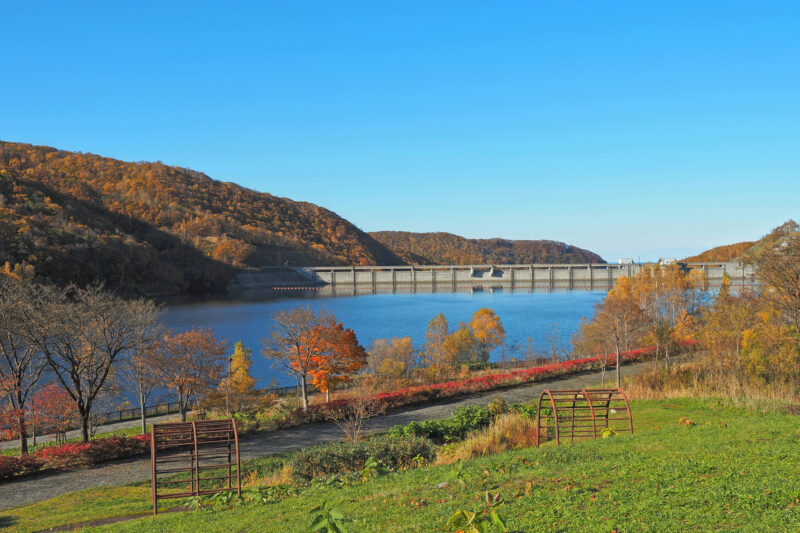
pixel 581 414
pixel 185 444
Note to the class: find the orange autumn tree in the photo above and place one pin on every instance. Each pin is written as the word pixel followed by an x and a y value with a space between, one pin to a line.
pixel 53 410
pixel 295 341
pixel 337 356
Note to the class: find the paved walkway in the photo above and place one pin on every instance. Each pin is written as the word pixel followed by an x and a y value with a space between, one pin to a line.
pixel 107 428
pixel 33 489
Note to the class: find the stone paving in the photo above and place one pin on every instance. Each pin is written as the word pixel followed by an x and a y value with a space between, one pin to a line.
pixel 31 489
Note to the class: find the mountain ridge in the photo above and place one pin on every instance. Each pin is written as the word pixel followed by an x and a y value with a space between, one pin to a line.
pixel 448 248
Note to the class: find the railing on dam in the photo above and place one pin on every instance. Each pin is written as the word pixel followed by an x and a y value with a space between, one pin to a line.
pixel 450 278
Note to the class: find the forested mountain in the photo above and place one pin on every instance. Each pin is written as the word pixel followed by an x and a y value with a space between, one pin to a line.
pixel 449 249
pixel 739 250
pixel 728 252
pixel 156 229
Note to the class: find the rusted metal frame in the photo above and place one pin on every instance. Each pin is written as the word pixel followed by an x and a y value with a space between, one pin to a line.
pixel 591 411
pixel 153 467
pixel 538 420
pixel 628 407
pixel 195 462
pixel 575 397
pixel 606 407
pixel 555 418
pixel 187 494
pixel 238 458
pixel 598 402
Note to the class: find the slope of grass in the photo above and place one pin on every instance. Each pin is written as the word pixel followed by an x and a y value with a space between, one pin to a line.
pixel 731 468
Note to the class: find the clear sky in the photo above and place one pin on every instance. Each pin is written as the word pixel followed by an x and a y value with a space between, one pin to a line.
pixel 634 129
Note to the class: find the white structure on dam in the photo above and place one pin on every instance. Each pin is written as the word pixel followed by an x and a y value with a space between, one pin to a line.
pixel 450 278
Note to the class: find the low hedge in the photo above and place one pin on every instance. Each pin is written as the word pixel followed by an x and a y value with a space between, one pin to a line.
pixel 74 455
pixel 450 389
pixel 394 452
pixel 460 424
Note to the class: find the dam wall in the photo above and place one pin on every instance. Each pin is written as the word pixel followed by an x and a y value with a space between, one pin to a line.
pixel 342 280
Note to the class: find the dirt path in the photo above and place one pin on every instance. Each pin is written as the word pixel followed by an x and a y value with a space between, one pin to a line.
pixel 33 489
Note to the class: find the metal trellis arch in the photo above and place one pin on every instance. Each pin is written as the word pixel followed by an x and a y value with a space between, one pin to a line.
pixel 582 414
pixel 194 448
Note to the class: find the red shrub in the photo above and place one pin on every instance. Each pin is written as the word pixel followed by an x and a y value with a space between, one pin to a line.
pixel 17 466
pixel 74 455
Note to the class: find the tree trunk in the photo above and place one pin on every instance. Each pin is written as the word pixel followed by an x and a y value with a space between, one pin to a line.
pixel 304 391
pixel 23 436
pixel 84 425
pixel 655 363
pixel 144 416
pixel 327 394
pixel 619 381
pixel 666 355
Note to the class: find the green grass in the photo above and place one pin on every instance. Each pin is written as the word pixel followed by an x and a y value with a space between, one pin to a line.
pixel 734 468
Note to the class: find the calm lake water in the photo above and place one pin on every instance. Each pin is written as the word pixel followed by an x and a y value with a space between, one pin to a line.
pixel 392 315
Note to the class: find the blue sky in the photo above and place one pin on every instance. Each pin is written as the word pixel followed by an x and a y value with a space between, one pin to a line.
pixel 634 129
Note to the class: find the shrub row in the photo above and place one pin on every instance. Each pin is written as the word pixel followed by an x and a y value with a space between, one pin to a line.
pixel 74 455
pixel 450 389
pixel 394 452
pixel 461 423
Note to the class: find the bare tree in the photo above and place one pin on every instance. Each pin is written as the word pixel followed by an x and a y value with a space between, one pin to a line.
pixel 82 332
pixel 360 407
pixel 21 363
pixel 553 342
pixel 289 343
pixel 137 373
pixel 778 267
pixel 191 363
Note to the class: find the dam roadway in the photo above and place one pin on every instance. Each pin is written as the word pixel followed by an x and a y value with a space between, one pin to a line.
pixel 344 280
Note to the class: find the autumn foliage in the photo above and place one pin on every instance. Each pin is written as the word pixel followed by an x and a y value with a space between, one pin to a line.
pixel 337 356
pixel 449 249
pixel 156 229
pixel 53 411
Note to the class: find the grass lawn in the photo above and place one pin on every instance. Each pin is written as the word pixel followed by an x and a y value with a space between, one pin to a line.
pixel 732 468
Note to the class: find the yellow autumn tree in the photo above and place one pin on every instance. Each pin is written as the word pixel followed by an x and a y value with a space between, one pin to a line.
pixel 392 360
pixel 487 330
pixel 433 352
pixel 240 380
pixel 461 347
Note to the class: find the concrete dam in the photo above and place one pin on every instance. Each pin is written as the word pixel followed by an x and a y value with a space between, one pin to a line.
pixel 352 280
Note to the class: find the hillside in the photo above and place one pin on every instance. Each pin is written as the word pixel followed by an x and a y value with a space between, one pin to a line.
pixel 732 252
pixel 449 249
pixel 155 229
pixel 691 465
pixel 728 252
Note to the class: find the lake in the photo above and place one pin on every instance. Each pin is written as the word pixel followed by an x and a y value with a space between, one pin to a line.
pixel 523 314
